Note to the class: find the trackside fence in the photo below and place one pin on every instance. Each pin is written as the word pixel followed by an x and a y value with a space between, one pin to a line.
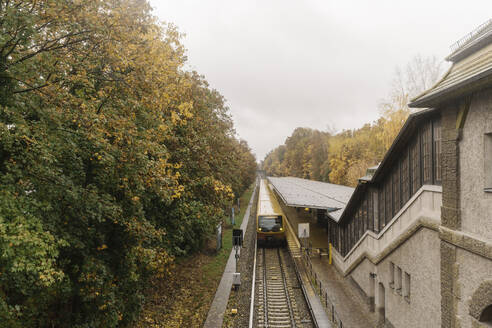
pixel 321 291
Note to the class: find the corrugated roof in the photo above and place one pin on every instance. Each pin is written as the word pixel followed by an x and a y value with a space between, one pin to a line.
pixel 298 192
pixel 464 76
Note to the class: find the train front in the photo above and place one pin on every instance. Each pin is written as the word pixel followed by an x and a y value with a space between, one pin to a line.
pixel 270 221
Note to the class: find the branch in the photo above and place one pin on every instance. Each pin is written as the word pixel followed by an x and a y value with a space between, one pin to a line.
pixel 31 87
pixel 51 47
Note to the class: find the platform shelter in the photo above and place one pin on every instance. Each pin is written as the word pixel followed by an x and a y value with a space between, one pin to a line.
pixel 313 202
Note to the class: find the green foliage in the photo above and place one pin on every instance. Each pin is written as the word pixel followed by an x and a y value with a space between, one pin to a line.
pixel 342 158
pixel 303 156
pixel 113 160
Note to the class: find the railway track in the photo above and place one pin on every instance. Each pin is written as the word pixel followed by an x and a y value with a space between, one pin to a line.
pixel 276 305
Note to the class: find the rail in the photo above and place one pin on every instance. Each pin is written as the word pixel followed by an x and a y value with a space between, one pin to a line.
pixel 482 29
pixel 253 283
pixel 276 307
pixel 318 288
pixel 315 283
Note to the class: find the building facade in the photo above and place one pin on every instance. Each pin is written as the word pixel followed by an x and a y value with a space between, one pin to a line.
pixel 416 235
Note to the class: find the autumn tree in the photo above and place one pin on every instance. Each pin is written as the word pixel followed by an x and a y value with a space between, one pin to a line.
pixel 113 160
pixel 344 157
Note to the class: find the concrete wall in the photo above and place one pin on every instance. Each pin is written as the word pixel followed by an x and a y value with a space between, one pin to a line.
pixel 422 209
pixel 476 205
pixel 420 257
pixel 361 275
pixel 473 270
pixel 410 241
pixel 473 266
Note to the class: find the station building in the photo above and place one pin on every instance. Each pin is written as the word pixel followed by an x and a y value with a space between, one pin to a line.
pixel 415 235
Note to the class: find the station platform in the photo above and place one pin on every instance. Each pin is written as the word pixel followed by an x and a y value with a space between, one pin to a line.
pixel 318 236
pixel 316 308
pixel 335 295
pixel 350 308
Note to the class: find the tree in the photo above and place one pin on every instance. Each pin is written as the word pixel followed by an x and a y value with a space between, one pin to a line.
pixel 344 157
pixel 113 160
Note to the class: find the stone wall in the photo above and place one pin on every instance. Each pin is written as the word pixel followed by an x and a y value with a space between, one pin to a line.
pixel 450 210
pixel 419 257
pixel 473 259
pixel 475 204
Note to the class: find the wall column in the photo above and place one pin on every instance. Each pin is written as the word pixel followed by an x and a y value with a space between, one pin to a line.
pixel 452 119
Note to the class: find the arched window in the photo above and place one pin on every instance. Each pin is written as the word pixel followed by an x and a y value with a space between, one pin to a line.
pixel 481 304
pixel 486 315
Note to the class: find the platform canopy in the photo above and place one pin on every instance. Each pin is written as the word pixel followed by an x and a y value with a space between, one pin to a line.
pixel 296 192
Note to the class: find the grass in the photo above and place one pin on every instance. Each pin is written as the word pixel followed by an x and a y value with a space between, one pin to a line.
pixel 183 300
pixel 216 267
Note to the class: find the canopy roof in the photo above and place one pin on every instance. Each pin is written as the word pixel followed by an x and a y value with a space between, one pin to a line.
pixel 296 192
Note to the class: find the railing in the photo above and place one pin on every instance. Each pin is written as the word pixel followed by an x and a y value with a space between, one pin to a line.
pixel 424 205
pixel 321 291
pixel 483 28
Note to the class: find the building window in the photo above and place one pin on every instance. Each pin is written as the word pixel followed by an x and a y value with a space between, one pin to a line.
pixel 405 183
pixel 381 202
pixel 361 221
pixel 437 150
pixel 352 235
pixel 370 211
pixel 387 188
pixel 365 215
pixel 406 287
pixel 358 224
pixel 396 189
pixel 488 161
pixel 415 159
pixel 392 275
pixel 427 153
pixel 486 315
pixel 398 280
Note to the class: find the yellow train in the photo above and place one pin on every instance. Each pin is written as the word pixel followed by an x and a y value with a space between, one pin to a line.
pixel 270 220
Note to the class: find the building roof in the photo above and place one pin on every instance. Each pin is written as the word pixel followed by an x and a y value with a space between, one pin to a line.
pixel 471 69
pixel 369 173
pixel 298 192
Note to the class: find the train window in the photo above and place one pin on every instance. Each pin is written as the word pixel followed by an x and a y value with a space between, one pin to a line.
pixel 270 223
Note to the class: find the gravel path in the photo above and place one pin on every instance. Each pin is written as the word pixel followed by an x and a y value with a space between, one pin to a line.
pixel 240 299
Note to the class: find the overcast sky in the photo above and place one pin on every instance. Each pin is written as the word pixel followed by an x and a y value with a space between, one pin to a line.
pixel 282 64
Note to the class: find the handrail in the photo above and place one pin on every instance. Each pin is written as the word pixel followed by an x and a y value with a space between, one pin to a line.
pixel 484 27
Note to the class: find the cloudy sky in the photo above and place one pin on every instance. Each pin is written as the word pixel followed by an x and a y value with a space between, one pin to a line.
pixel 282 64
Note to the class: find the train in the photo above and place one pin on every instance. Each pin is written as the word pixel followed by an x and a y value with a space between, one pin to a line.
pixel 270 219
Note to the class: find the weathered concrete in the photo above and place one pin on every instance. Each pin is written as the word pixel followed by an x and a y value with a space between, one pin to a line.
pixel 471 272
pixel 475 204
pixel 215 315
pixel 349 307
pixel 403 311
pixel 450 211
pixel 422 210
